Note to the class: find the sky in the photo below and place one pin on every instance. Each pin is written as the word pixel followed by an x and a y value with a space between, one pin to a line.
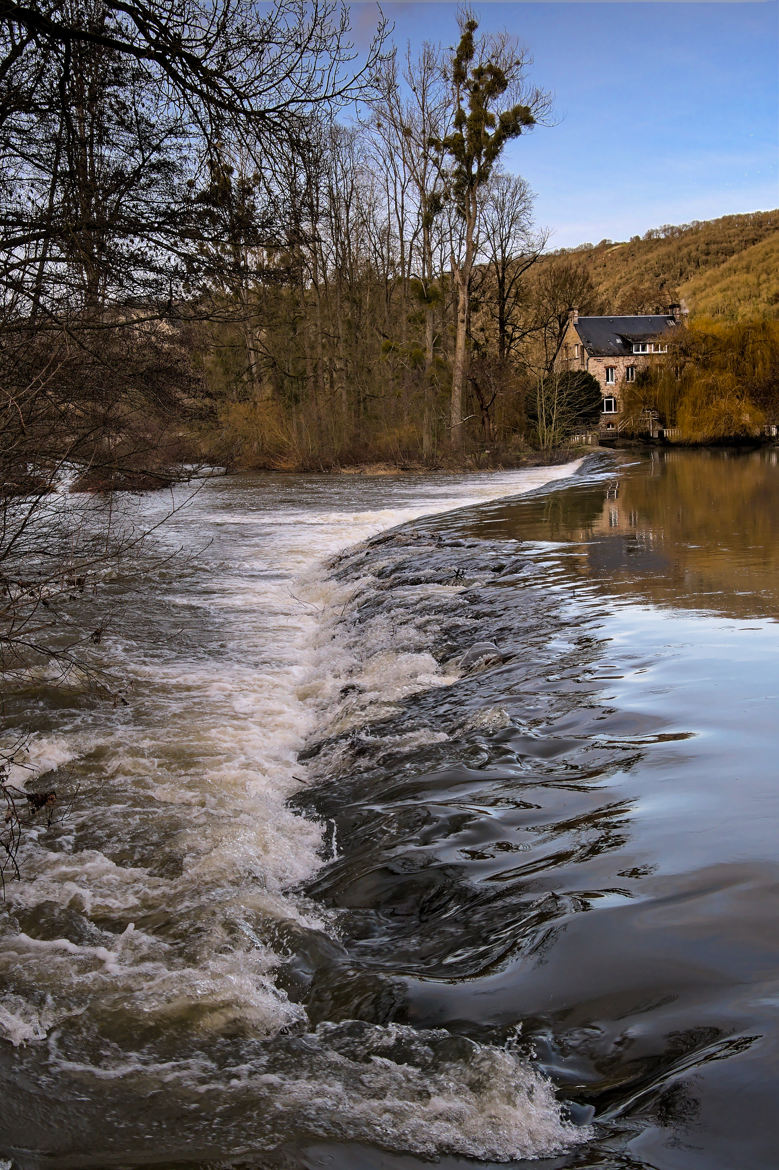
pixel 663 111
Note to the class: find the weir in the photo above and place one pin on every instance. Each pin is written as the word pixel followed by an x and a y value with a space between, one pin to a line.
pixel 440 823
pixel 152 945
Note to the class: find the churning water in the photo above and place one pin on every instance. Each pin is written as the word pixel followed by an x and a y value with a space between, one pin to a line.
pixel 412 838
pixel 143 949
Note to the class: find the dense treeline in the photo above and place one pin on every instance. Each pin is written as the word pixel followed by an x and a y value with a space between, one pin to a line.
pixel 204 256
pixel 213 260
pixel 359 363
pixel 400 320
pixel 196 240
pixel 117 235
pixel 720 382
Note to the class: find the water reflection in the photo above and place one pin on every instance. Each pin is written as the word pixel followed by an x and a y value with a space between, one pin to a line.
pixel 692 529
pixel 598 865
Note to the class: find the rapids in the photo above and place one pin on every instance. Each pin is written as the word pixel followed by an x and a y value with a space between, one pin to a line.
pixel 147 948
pixel 434 819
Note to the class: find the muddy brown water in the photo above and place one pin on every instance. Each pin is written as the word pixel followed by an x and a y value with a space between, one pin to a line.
pixel 461 848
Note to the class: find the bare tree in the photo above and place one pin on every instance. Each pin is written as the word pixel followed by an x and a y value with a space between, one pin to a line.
pixel 482 74
pixel 510 246
pixel 561 285
pixel 412 128
pixel 231 62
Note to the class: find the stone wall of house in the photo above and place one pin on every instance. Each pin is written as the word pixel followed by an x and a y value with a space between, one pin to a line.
pixel 597 366
pixel 572 353
pixel 573 356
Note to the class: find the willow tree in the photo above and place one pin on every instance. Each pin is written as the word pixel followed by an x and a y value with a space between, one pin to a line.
pixel 492 104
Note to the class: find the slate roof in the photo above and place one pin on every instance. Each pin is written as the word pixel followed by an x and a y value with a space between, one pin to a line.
pixel 614 336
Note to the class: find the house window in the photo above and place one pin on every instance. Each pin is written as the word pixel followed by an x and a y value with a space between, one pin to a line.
pixel 576 351
pixel 640 347
pixel 611 375
pixel 630 373
pixel 609 406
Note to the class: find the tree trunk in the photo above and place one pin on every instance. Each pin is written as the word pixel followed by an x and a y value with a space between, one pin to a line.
pixel 427 388
pixel 462 277
pixel 460 364
pixel 429 374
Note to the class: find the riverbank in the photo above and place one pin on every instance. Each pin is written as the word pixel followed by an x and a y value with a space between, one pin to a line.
pixel 450 463
pixel 466 465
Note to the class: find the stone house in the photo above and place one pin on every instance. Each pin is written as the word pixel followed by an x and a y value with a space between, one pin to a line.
pixel 614 350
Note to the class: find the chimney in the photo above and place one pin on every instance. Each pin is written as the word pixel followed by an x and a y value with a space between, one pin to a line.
pixel 573 316
pixel 676 313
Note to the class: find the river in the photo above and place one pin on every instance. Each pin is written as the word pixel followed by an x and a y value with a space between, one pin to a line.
pixel 435 818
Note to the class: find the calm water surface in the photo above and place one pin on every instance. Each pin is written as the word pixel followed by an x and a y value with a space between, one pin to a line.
pixel 461 845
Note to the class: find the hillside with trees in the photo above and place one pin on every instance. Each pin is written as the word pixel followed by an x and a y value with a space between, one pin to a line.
pixel 722 267
pixel 721 380
pixel 746 286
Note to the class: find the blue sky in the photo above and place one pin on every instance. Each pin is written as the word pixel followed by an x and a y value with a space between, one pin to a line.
pixel 664 112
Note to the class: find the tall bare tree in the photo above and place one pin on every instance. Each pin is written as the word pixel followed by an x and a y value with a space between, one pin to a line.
pixel 484 74
pixel 412 112
pixel 562 285
pixel 510 246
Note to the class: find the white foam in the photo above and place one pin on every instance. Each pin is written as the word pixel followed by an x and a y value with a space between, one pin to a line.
pixel 390 1086
pixel 493 1106
pixel 38 755
pixel 203 764
pixel 21 1022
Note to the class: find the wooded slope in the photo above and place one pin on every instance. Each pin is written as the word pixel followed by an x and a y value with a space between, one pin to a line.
pixel 744 287
pixel 726 267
